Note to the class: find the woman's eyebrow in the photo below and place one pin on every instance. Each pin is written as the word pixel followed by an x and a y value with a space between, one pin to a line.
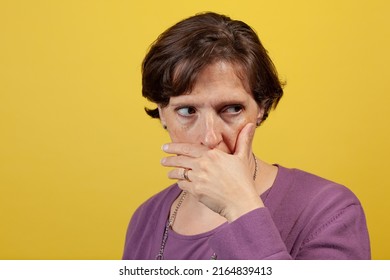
pixel 201 103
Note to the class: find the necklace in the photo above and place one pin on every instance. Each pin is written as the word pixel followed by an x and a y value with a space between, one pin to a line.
pixel 160 255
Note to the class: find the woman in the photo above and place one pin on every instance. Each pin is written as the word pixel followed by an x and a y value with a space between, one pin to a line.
pixel 213 84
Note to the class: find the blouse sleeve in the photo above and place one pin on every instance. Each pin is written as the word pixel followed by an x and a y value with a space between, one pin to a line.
pixel 252 236
pixel 342 235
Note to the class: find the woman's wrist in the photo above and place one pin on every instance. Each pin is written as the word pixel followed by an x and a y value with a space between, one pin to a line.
pixel 244 208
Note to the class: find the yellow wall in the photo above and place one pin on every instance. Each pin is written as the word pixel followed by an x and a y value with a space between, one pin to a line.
pixel 78 154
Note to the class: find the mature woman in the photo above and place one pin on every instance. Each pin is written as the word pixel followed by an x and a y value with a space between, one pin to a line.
pixel 213 84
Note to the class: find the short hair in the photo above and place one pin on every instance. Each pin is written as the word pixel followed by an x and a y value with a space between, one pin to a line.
pixel 179 54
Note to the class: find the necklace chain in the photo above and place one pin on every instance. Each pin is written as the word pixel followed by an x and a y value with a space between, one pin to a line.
pixel 256 167
pixel 160 255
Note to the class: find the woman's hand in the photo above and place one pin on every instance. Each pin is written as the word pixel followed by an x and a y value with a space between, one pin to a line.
pixel 223 182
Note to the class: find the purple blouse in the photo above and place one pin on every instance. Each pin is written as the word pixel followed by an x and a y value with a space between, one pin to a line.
pixel 305 217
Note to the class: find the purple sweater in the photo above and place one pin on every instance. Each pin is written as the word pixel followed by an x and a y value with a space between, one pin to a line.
pixel 305 217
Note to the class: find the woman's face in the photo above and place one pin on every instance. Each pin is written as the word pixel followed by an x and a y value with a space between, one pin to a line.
pixel 214 112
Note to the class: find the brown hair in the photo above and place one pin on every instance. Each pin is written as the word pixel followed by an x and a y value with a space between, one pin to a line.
pixel 174 60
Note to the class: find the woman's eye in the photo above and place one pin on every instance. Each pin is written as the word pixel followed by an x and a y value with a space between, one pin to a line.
pixel 186 111
pixel 234 109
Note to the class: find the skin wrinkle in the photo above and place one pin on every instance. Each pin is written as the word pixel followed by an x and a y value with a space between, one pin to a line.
pixel 212 78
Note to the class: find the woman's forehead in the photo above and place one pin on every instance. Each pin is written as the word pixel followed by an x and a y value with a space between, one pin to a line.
pixel 214 69
pixel 216 85
pixel 221 72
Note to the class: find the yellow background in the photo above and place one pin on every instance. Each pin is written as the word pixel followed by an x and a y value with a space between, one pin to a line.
pixel 78 154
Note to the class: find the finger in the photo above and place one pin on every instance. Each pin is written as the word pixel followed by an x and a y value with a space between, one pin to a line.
pixel 244 140
pixel 185 186
pixel 179 174
pixel 186 149
pixel 178 161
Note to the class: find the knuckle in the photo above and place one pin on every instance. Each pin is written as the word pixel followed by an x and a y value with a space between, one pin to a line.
pixel 203 165
pixel 186 150
pixel 212 154
pixel 197 190
pixel 183 185
pixel 202 179
pixel 166 161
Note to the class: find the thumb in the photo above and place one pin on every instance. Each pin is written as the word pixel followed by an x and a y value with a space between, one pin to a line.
pixel 244 140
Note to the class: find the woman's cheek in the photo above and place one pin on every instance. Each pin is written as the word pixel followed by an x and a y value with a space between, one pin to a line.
pixel 181 134
pixel 230 137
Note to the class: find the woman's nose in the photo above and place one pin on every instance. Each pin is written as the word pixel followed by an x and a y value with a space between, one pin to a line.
pixel 211 134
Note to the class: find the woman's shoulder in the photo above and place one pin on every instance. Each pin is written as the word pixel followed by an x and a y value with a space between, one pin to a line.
pixel 301 200
pixel 309 209
pixel 158 202
pixel 307 187
pixel 148 220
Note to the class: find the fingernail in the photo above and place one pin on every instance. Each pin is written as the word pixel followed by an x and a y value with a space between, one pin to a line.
pixel 164 147
pixel 162 161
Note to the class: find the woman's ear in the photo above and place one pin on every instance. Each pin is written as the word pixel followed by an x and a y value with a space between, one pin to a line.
pixel 162 117
pixel 260 116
